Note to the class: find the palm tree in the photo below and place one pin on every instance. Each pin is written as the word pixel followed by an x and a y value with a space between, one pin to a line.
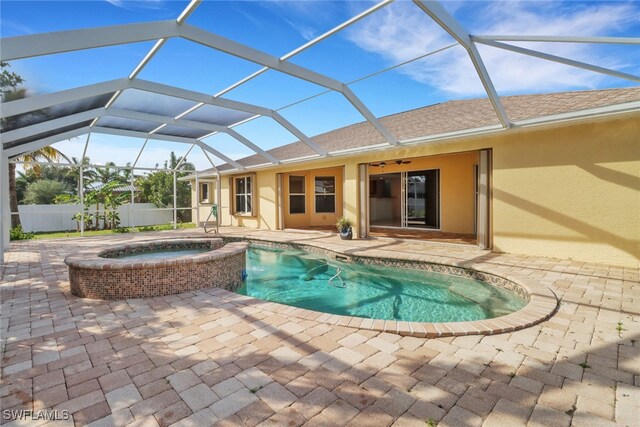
pixel 109 173
pixel 88 175
pixel 48 154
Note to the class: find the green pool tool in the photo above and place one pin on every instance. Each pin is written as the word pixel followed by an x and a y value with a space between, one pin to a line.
pixel 214 212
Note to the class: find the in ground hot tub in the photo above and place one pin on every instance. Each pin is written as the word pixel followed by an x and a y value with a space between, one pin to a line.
pixel 156 268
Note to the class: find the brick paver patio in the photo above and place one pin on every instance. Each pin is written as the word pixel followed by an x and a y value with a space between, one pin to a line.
pixel 207 357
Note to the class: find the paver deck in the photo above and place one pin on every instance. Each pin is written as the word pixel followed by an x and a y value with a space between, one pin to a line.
pixel 208 358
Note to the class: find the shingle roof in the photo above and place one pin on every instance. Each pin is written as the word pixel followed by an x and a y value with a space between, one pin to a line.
pixel 449 117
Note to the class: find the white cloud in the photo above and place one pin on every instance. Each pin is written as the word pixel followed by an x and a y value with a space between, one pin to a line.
pixel 137 4
pixel 307 32
pixel 14 28
pixel 308 18
pixel 402 32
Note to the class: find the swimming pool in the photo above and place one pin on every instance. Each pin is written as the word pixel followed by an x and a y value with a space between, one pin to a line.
pixel 314 282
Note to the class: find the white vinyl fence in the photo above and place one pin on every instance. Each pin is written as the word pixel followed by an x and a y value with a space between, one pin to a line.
pixel 35 218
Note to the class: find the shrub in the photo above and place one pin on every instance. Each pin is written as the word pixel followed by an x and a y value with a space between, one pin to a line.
pixel 17 233
pixel 156 227
pixel 43 192
pixel 66 199
pixel 344 223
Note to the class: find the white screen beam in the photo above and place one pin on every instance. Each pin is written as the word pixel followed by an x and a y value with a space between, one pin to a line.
pixel 453 27
pixel 561 60
pixel 559 39
pixel 71 40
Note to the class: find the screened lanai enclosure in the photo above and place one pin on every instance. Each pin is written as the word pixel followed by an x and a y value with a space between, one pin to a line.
pixel 212 95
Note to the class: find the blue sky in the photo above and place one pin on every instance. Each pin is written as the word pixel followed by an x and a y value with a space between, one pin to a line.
pixel 395 34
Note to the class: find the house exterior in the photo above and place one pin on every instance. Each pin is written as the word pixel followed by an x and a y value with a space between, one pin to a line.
pixel 564 182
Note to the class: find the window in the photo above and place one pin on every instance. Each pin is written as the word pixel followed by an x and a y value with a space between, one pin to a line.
pixel 325 194
pixel 296 195
pixel 244 195
pixel 204 192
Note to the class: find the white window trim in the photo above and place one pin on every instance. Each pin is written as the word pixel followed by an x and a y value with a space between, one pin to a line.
pixel 303 194
pixel 315 193
pixel 250 194
pixel 208 200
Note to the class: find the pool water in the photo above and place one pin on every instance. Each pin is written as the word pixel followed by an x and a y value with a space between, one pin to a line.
pixel 161 254
pixel 304 280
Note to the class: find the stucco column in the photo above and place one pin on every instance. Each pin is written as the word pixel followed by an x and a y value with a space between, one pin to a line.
pixel 363 200
pixel 219 199
pixel 484 191
pixel 350 195
pixel 279 201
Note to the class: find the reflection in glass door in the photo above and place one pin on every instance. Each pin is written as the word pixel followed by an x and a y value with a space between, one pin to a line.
pixel 385 200
pixel 421 196
pixel 405 199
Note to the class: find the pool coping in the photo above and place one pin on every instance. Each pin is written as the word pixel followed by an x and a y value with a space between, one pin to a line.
pixel 542 304
pixel 92 259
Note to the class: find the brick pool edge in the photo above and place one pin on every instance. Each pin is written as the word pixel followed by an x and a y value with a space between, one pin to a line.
pixel 92 274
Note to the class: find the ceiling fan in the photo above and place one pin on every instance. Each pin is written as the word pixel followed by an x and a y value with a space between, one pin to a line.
pixel 383 164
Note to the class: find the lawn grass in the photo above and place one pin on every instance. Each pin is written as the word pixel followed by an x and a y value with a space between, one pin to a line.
pixel 71 234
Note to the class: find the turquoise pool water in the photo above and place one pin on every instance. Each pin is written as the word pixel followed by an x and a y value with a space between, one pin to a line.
pixel 161 254
pixel 304 280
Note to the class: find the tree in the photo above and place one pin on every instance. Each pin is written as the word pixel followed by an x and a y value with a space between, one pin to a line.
pixel 103 190
pixel 9 81
pixel 44 192
pixel 109 173
pixel 22 181
pixel 73 174
pixel 48 154
pixel 113 199
pixel 9 90
pixel 55 173
pixel 157 187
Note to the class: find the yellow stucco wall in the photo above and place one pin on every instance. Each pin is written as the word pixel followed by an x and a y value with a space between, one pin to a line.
pixel 569 190
pixel 310 217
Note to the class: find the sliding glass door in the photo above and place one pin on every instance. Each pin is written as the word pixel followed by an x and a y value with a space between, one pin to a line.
pixel 405 199
pixel 385 200
pixel 421 199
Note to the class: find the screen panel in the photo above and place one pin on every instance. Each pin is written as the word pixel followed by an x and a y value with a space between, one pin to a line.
pixel 152 103
pixel 127 124
pixel 54 112
pixel 215 115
